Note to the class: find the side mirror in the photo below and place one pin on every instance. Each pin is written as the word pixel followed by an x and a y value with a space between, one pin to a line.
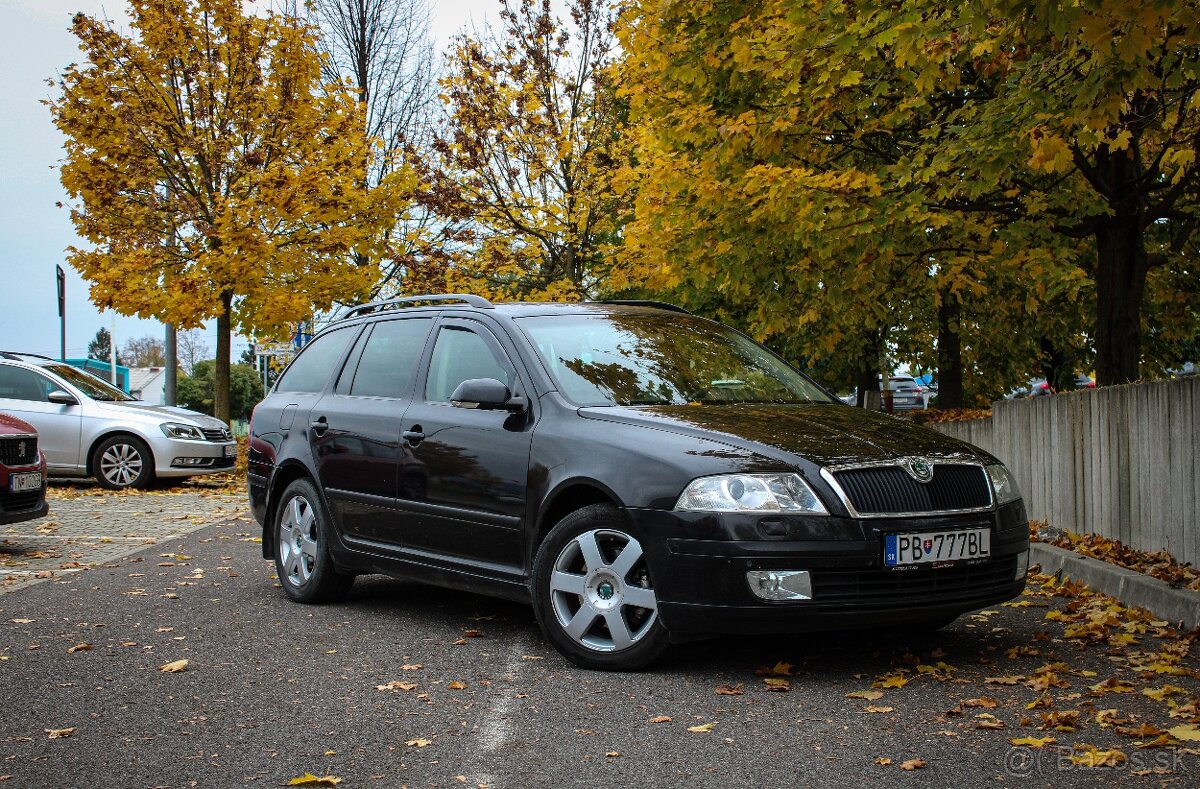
pixel 486 394
pixel 62 398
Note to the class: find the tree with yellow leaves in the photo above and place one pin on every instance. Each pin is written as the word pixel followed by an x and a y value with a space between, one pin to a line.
pixel 212 172
pixel 524 163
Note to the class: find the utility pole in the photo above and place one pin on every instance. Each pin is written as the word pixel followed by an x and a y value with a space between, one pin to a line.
pixel 171 383
pixel 61 278
pixel 112 349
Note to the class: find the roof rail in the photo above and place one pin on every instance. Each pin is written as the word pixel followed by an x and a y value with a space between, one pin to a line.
pixel 18 356
pixel 405 301
pixel 662 305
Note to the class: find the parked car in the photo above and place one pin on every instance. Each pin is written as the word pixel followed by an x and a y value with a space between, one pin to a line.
pixel 22 472
pixel 88 427
pixel 641 475
pixel 1040 387
pixel 907 394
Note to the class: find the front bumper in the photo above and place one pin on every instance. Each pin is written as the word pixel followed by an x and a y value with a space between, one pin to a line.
pixel 24 506
pixel 182 458
pixel 699 564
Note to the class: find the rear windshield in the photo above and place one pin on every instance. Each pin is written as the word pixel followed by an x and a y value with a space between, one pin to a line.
pixel 639 359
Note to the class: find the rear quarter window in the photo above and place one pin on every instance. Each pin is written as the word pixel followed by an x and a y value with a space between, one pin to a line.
pixel 310 370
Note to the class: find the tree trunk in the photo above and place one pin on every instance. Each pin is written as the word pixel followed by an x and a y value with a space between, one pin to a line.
pixel 171 384
pixel 867 379
pixel 221 366
pixel 949 354
pixel 1120 281
pixel 1057 367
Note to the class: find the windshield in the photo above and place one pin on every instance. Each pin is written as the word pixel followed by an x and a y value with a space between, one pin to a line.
pixel 639 359
pixel 90 385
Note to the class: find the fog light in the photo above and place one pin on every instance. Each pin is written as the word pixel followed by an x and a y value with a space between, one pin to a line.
pixel 780 584
pixel 1022 565
pixel 188 461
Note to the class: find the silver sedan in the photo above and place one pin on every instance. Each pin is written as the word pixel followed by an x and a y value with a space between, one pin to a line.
pixel 89 428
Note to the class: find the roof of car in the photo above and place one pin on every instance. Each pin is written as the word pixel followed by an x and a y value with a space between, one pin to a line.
pixel 513 309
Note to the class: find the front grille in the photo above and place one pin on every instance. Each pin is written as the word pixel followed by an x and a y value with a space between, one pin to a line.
pixel 18 451
pixel 887 490
pixel 217 433
pixel 908 588
pixel 20 502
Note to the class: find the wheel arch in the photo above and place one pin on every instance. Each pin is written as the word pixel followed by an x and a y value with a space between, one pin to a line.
pixel 90 457
pixel 567 497
pixel 284 475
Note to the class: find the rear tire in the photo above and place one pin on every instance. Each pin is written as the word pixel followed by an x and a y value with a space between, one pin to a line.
pixel 593 594
pixel 302 560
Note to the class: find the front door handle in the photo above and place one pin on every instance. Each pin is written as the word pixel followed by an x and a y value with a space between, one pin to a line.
pixel 319 426
pixel 414 436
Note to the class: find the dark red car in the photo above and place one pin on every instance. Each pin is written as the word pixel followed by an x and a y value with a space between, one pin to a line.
pixel 22 472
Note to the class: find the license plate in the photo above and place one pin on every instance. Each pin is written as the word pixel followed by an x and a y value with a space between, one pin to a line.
pixel 31 480
pixel 231 451
pixel 937 546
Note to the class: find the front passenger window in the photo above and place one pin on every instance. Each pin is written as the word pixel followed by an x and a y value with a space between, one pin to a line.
pixel 459 355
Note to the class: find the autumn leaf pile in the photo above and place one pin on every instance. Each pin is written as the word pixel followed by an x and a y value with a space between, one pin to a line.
pixel 1035 697
pixel 1160 564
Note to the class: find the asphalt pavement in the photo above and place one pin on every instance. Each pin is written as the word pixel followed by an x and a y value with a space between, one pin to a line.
pixel 407 685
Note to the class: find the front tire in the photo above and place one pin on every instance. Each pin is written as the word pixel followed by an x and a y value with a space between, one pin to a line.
pixel 302 560
pixel 122 462
pixel 593 594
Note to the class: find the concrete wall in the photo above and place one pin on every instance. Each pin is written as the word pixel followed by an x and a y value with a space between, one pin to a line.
pixel 1117 461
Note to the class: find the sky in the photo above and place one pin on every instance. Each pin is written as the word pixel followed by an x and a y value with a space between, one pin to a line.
pixel 35 44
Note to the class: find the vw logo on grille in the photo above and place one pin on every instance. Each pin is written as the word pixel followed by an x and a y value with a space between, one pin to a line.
pixel 919 469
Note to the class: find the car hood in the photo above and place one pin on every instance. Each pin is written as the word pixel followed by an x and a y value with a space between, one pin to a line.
pixel 11 426
pixel 170 412
pixel 824 434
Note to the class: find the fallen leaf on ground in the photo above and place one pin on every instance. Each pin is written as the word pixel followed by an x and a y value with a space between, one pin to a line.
pixel 174 667
pixel 1161 694
pixel 612 754
pixel 418 742
pixel 868 695
pixel 1188 732
pixel 57 733
pixel 411 667
pixel 873 708
pixel 1032 742
pixel 780 669
pixel 308 779
pixel 777 685
pixel 397 685
pixel 456 685
pixel 661 719
pixel 1002 680
pixel 987 702
pixel 729 690
pixel 913 764
pixel 84 647
pixel 885 761
pixel 1091 756
pixel 986 720
pixel 702 728
pixel 472 633
pixel 890 681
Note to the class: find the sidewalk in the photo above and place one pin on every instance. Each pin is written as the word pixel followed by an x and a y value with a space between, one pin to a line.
pixel 88 526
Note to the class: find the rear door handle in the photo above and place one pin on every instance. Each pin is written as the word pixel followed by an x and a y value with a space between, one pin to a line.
pixel 319 425
pixel 414 436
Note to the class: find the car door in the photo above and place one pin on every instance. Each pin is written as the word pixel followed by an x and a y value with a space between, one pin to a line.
pixel 474 464
pixel 355 429
pixel 23 393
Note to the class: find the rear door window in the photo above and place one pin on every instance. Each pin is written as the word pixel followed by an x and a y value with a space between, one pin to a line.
pixel 388 364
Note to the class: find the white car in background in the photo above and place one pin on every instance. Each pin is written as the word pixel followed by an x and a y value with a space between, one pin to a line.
pixel 89 428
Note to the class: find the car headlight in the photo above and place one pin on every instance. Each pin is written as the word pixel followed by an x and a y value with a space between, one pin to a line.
pixel 1003 484
pixel 179 430
pixel 751 493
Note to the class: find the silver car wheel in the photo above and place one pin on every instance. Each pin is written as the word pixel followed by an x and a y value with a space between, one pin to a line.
pixel 121 464
pixel 600 591
pixel 298 541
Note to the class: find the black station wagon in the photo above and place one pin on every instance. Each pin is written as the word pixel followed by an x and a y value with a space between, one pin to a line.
pixel 639 474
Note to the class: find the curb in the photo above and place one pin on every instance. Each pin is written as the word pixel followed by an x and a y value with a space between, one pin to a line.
pixel 1129 586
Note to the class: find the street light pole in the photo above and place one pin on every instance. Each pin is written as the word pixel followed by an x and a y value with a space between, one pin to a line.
pixel 61 278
